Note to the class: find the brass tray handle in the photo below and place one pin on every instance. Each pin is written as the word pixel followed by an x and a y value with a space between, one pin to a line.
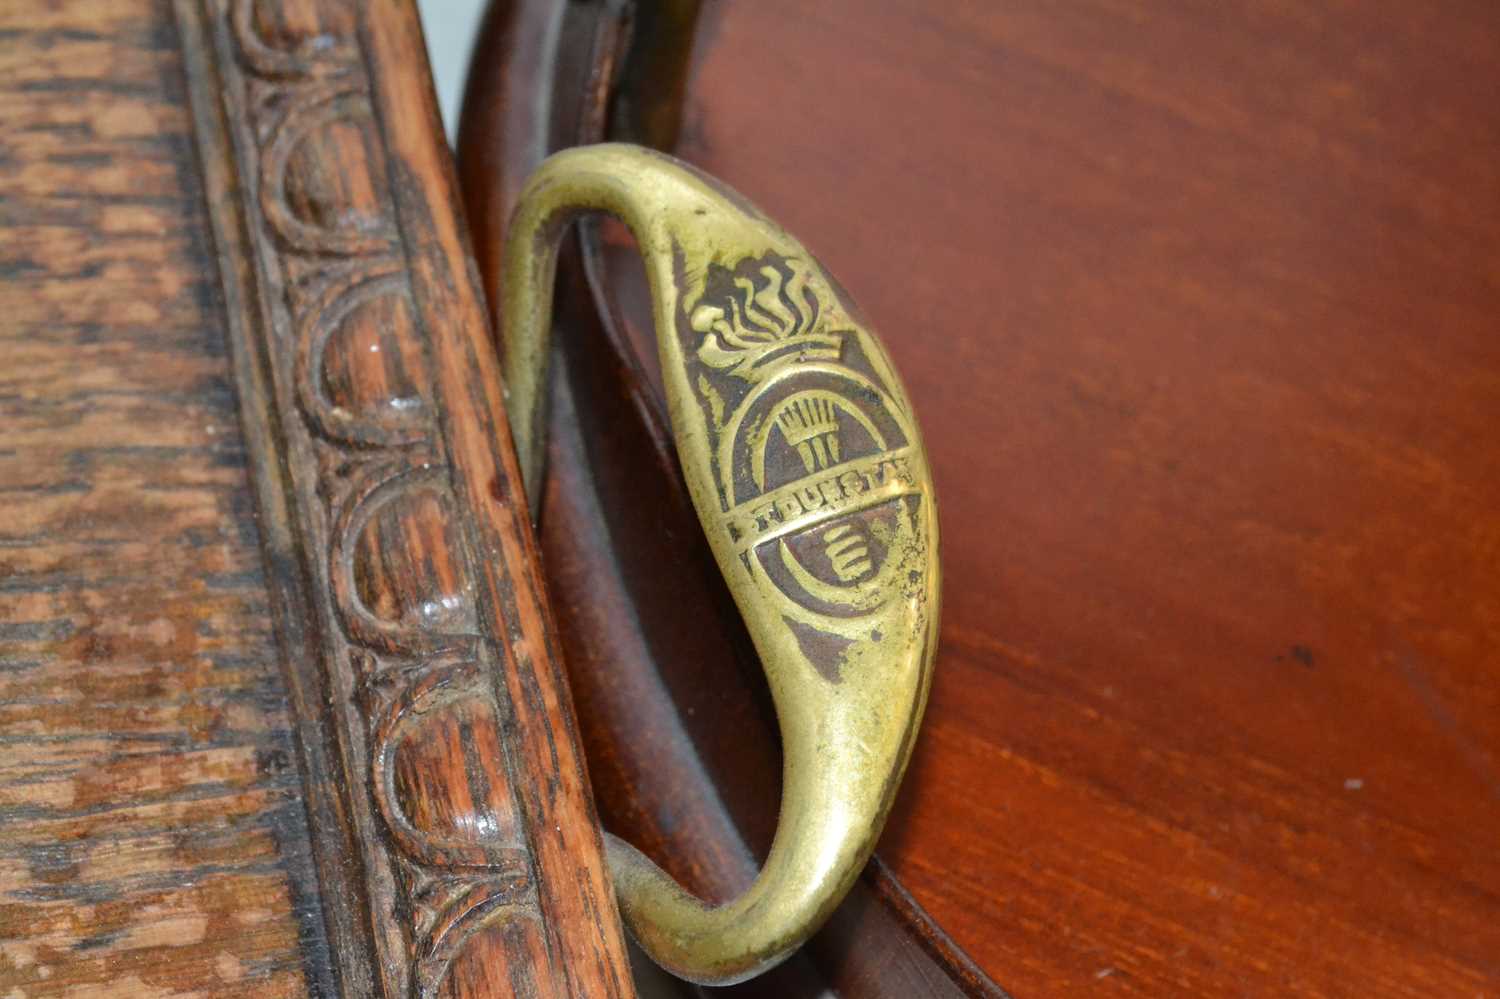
pixel 807 471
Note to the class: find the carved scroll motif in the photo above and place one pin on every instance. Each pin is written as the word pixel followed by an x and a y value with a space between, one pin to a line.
pixel 447 873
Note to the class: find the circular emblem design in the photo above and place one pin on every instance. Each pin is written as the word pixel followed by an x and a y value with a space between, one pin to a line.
pixel 824 499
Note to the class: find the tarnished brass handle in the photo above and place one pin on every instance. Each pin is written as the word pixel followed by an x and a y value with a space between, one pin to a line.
pixel 809 477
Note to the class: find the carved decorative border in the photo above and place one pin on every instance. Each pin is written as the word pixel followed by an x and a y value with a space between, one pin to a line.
pixel 374 549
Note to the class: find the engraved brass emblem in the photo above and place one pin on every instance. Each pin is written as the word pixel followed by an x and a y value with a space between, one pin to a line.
pixel 808 473
pixel 814 458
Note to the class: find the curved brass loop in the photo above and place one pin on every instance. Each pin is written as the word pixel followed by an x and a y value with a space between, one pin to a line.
pixel 809 476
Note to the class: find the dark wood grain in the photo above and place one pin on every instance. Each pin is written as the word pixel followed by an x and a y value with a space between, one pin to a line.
pixel 223 205
pixel 1197 306
pixel 460 848
pixel 152 836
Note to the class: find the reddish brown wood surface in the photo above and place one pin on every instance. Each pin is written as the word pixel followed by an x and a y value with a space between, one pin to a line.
pixel 677 724
pixel 1197 306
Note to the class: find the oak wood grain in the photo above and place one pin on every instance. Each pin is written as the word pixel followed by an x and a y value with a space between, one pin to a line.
pixel 152 838
pixel 343 764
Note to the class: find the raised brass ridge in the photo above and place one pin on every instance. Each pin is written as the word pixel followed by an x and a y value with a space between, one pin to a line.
pixel 807 470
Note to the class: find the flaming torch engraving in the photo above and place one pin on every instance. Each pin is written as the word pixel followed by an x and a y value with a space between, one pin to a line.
pixel 760 315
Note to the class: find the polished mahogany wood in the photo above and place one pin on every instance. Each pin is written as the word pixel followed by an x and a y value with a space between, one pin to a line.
pixel 675 714
pixel 1197 306
pixel 344 765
